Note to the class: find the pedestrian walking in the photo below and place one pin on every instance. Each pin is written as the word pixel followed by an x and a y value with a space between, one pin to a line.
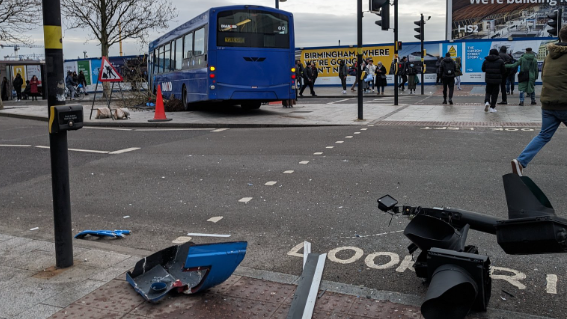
pixel 528 75
pixel 70 83
pixel 343 73
pixel 437 70
pixel 494 70
pixel 553 100
pixel 507 60
pixel 458 73
pixel 371 70
pixel 34 92
pixel 402 72
pixel 352 88
pixel 411 71
pixel 367 77
pixel 307 80
pixel 4 89
pixel 315 71
pixel 83 81
pixel 299 73
pixel 447 68
pixel 381 81
pixel 511 77
pixel 17 83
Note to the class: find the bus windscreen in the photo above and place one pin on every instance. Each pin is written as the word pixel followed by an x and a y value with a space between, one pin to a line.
pixel 252 29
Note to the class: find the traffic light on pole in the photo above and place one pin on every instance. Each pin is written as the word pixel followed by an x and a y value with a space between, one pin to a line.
pixel 555 20
pixel 419 30
pixel 382 9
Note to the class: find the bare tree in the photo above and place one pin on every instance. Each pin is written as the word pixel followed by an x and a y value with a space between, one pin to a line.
pixel 111 20
pixel 17 17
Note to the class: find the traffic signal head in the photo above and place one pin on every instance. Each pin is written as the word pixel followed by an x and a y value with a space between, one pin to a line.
pixel 555 20
pixel 419 30
pixel 383 11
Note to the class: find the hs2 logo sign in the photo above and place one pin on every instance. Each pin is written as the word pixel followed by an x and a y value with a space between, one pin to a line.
pixel 468 28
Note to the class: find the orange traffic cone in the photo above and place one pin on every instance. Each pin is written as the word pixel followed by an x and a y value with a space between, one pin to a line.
pixel 159 115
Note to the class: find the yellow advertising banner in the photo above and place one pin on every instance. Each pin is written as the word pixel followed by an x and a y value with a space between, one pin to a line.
pixel 327 60
pixel 21 69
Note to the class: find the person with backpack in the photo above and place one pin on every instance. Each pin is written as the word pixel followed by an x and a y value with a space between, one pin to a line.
pixel 506 58
pixel 494 69
pixel 529 73
pixel 343 74
pixel 447 70
pixel 299 72
pixel 308 80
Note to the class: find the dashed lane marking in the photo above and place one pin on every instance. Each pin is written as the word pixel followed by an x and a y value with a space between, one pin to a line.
pixel 270 183
pixel 180 240
pixel 318 153
pixel 339 101
pixel 245 200
pixel 108 128
pixel 363 129
pixel 288 172
pixel 348 136
pixel 8 145
pixel 329 147
pixel 219 130
pixel 304 162
pixel 356 132
pixel 215 219
pixel 339 142
pixel 88 151
pixel 125 150
pixel 170 129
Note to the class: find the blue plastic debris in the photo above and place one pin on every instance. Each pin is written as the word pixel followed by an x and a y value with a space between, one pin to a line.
pixel 117 233
pixel 188 267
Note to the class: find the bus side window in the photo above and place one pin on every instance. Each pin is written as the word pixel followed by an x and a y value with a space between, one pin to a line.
pixel 178 53
pixel 200 42
pixel 188 45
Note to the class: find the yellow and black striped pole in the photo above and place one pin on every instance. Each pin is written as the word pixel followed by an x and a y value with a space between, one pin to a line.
pixel 55 82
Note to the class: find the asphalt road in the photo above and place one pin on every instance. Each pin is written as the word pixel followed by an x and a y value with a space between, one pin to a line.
pixel 178 179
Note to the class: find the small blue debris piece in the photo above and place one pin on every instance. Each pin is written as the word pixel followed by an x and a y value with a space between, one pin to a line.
pixel 117 233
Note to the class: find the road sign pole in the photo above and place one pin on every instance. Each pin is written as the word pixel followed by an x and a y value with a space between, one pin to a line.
pixel 396 52
pixel 422 55
pixel 55 81
pixel 359 57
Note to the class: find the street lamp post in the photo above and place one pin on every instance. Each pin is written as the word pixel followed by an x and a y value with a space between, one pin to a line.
pixel 278 3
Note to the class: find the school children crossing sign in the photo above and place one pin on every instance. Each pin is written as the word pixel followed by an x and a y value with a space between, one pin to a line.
pixel 108 73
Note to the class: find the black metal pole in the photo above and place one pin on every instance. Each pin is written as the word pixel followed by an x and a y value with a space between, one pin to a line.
pixel 57 141
pixel 396 52
pixel 422 56
pixel 359 57
pixel 277 4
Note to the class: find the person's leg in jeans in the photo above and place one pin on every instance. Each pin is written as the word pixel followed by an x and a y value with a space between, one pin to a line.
pixel 458 82
pixel 550 121
pixel 532 96
pixel 521 97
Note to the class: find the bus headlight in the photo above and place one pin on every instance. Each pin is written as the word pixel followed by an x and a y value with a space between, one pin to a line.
pixel 212 87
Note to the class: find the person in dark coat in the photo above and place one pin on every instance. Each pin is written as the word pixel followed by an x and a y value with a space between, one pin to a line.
pixel 437 67
pixel 381 81
pixel 402 66
pixel 17 83
pixel 4 89
pixel 314 71
pixel 82 80
pixel 343 73
pixel 448 69
pixel 553 100
pixel 299 72
pixel 307 80
pixel 493 67
pixel 511 77
pixel 507 60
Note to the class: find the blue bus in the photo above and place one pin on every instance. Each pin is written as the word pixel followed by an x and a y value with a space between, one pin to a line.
pixel 235 54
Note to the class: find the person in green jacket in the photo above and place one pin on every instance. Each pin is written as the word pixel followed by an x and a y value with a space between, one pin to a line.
pixel 527 63
pixel 553 100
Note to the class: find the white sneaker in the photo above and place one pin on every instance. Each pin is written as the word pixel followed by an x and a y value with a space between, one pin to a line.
pixel 344 92
pixel 486 106
pixel 372 90
pixel 493 110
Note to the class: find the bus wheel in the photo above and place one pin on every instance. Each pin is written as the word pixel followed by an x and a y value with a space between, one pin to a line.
pixel 184 98
pixel 251 105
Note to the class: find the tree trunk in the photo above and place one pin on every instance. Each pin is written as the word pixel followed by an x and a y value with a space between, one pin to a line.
pixel 104 47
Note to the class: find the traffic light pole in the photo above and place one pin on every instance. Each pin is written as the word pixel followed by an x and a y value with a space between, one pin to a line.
pixel 422 55
pixel 396 52
pixel 58 141
pixel 359 57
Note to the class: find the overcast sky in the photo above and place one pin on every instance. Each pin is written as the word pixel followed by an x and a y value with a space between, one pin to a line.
pixel 317 23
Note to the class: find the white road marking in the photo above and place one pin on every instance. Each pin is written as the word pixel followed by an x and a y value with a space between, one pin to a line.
pixel 363 129
pixel 8 145
pixel 170 129
pixel 394 260
pixel 214 219
pixel 88 151
pixel 356 132
pixel 124 150
pixel 288 172
pixel 35 228
pixel 306 251
pixel 271 183
pixel 219 130
pixel 318 153
pixel 348 136
pixel 304 162
pixel 513 280
pixel 551 284
pixel 339 101
pixel 108 128
pixel 339 142
pixel 207 235
pixel 314 289
pixel 245 200
pixel 357 254
pixel 294 251
pixel 329 147
pixel 39 146
pixel 181 240
pixel 407 263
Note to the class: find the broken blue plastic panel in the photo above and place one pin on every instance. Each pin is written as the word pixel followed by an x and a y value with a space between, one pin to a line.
pixel 117 233
pixel 188 267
